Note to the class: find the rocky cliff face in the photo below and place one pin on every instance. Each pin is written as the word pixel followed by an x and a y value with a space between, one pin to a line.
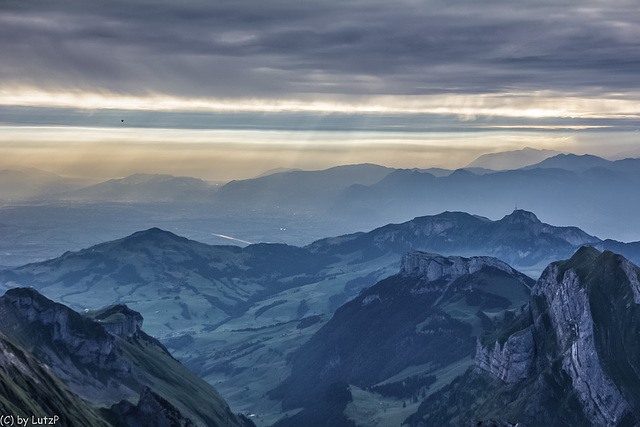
pixel 511 362
pixel 568 305
pixel 119 320
pixel 35 321
pixel 432 267
pixel 565 333
pixel 104 360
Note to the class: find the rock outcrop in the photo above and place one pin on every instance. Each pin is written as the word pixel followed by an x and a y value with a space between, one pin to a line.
pixel 120 320
pixel 511 362
pixel 151 410
pixel 37 321
pixel 432 267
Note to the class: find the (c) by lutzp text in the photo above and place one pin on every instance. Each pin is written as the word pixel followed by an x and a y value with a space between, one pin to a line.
pixel 17 420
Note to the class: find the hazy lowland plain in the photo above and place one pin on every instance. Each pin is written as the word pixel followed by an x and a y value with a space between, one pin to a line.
pixel 322 289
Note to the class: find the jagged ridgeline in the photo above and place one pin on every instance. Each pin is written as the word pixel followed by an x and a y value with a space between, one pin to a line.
pixel 571 358
pixel 423 320
pixel 95 369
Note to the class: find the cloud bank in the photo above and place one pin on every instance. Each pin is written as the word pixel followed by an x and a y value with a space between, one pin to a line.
pixel 287 49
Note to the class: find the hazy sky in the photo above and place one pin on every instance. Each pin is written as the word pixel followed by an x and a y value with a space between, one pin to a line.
pixel 228 89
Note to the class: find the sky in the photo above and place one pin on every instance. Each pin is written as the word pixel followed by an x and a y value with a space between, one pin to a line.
pixel 228 89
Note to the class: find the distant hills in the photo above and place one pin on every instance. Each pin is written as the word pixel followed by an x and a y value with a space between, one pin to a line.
pixel 519 238
pixel 512 159
pixel 18 184
pixel 569 191
pixel 144 188
pixel 297 191
pixel 298 207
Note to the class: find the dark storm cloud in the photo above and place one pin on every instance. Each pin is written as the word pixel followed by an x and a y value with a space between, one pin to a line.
pixel 287 48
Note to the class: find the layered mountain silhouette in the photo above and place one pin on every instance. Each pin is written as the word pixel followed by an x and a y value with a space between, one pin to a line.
pixel 142 188
pixel 571 358
pixel 297 191
pixel 565 189
pixel 298 207
pixel 88 369
pixel 156 265
pixel 19 184
pixel 512 159
pixel 519 238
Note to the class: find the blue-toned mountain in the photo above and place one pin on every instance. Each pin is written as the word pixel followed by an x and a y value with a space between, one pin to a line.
pixel 402 334
pixel 571 358
pixel 143 188
pixel 596 194
pixel 519 239
pixel 297 191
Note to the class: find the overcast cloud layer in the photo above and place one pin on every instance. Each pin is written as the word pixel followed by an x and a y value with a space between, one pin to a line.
pixel 99 88
pixel 298 49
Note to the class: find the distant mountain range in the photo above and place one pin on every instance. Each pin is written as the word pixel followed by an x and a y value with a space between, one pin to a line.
pixel 564 189
pixel 297 191
pixel 519 238
pixel 144 188
pixel 508 160
pixel 19 184
pixel 297 207
pixel 95 369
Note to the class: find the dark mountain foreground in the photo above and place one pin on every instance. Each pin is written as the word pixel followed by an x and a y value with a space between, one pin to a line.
pixel 95 369
pixel 572 357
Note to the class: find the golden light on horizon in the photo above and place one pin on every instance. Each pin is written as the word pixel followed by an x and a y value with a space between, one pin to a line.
pixel 525 105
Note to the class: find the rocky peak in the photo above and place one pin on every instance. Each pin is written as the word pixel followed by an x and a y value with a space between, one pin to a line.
pixel 433 267
pixel 579 311
pixel 118 320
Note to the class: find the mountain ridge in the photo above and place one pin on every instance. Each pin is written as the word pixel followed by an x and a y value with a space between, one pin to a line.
pixel 106 365
pixel 512 159
pixel 193 295
pixel 575 341
pixel 428 314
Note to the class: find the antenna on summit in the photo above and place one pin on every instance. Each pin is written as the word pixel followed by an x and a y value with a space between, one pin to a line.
pixel 516 208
